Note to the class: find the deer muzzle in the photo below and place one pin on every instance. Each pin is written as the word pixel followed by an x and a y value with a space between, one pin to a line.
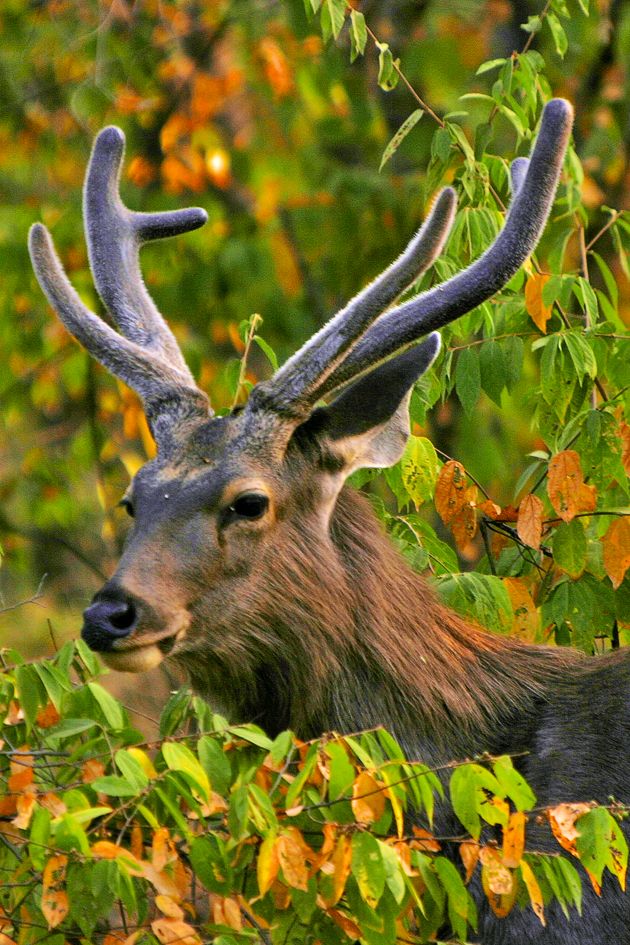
pixel 127 633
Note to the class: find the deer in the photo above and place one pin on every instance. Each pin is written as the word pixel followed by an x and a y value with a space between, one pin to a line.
pixel 255 567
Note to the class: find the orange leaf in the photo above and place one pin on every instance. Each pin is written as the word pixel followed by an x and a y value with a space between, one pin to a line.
pixel 107 850
pixel 616 544
pixel 47 716
pixel 293 863
pixel 469 852
pixel 464 524
pixel 533 889
pixel 536 308
pixel 368 799
pixel 562 821
pixel 53 804
pixel 450 490
pixel 91 770
pixel 345 923
pixel 526 618
pixel 54 897
pixel 566 488
pixel 497 882
pixel 268 863
pixel 25 809
pixel 514 839
pixel 232 913
pixel 490 509
pixel 424 840
pixel 22 774
pixel 171 931
pixel 162 849
pixel 530 520
pixel 339 866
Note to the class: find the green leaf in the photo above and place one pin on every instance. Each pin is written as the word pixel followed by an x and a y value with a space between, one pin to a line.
pixel 601 843
pixel 114 786
pixel 490 64
pixel 581 354
pixel 513 784
pixel 111 709
pixel 493 370
pixel 358 34
pixel 215 763
pixel 31 690
pixel 368 867
pixel 332 18
pixel 468 786
pixel 559 36
pixel 468 379
pixel 342 772
pixel 410 122
pixel 387 74
pixel 251 734
pixel 419 468
pixel 180 758
pixel 569 547
pixel 266 348
pixel 394 874
pixel 131 770
pixel 461 908
pixel 441 145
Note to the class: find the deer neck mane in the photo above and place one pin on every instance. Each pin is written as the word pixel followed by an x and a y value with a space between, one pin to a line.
pixel 442 685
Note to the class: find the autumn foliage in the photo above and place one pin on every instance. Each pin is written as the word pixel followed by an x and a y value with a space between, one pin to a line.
pixel 215 832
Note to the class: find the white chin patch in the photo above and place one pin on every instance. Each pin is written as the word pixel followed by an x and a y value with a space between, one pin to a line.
pixel 137 660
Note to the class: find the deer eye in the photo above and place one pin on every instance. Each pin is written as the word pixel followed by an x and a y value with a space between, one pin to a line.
pixel 249 505
pixel 127 505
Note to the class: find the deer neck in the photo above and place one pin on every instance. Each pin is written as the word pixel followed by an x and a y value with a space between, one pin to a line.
pixel 443 686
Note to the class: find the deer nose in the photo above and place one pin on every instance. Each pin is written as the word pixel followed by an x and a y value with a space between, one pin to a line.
pixel 106 621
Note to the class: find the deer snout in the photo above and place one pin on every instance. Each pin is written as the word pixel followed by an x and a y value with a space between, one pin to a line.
pixel 106 621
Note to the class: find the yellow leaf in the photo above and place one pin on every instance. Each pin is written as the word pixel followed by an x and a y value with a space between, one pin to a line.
pixel 54 897
pixel 368 799
pixel 616 544
pixel 533 889
pixel 530 520
pixel 268 863
pixel 536 308
pixel 169 907
pixel 495 875
pixel 526 618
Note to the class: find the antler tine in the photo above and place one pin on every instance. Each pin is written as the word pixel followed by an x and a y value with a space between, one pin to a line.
pixel 290 390
pixel 167 394
pixel 535 184
pixel 114 236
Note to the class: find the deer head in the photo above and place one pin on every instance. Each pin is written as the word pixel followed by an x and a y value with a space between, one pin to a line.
pixel 234 561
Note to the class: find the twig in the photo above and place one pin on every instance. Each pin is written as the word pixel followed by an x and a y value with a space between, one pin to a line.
pixel 30 600
pixel 256 320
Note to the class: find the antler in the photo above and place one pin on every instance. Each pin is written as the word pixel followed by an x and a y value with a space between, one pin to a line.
pixel 146 355
pixel 357 338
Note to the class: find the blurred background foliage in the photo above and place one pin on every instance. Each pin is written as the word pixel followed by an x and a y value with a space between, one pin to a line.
pixel 242 107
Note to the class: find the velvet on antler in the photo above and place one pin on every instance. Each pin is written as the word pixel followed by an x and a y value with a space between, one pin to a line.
pixel 357 339
pixel 145 355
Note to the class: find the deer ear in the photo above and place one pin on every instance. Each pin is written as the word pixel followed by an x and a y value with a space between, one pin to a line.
pixel 368 424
